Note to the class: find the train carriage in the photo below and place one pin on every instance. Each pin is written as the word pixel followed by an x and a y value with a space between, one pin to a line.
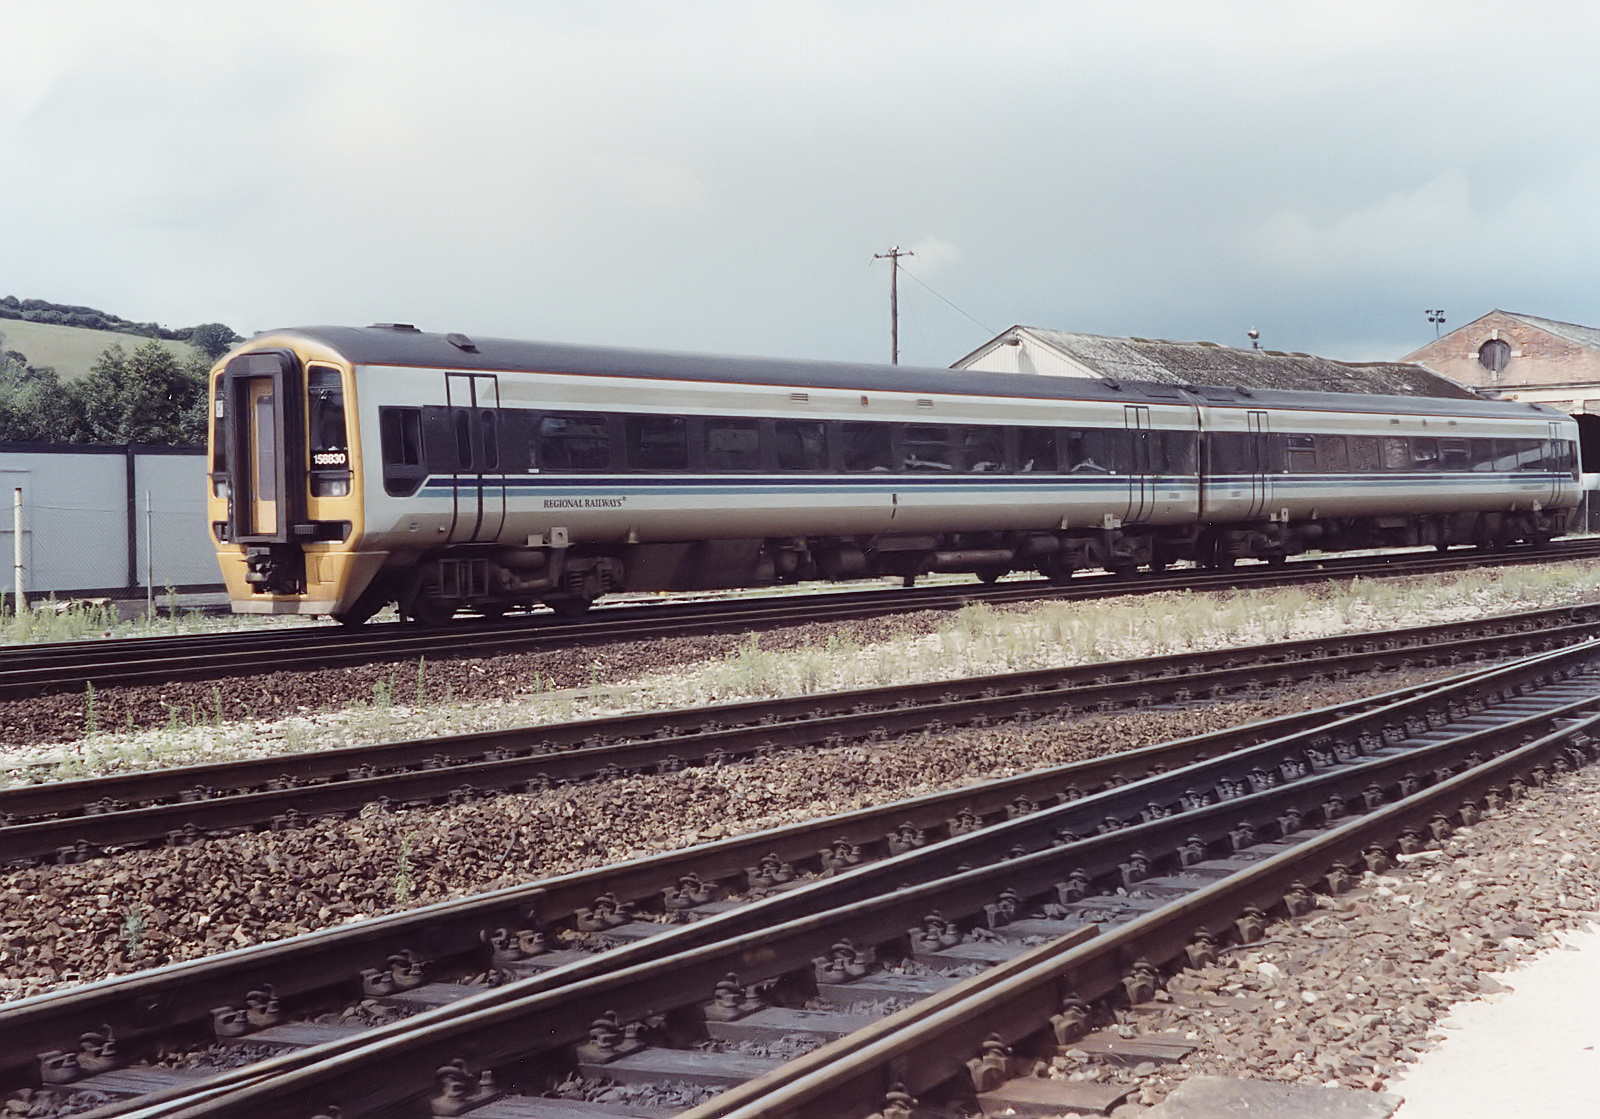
pixel 355 467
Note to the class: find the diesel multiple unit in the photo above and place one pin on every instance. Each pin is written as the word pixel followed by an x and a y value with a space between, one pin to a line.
pixel 356 467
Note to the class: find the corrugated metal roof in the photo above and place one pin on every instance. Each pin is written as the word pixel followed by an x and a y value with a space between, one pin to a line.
pixel 1206 363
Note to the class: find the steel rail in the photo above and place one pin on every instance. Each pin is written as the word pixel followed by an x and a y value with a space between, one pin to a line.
pixel 386 1069
pixel 161 999
pixel 26 671
pixel 1040 831
pixel 23 802
pixel 926 1045
pixel 473 765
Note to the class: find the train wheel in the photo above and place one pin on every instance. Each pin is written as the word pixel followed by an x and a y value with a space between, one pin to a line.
pixel 574 607
pixel 991 574
pixel 1055 569
pixel 491 611
pixel 1277 560
pixel 428 610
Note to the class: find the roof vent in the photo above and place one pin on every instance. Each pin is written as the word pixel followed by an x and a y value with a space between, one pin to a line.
pixel 1111 383
pixel 1242 391
pixel 462 342
pixel 400 326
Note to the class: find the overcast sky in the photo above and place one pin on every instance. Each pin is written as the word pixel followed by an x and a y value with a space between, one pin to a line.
pixel 718 176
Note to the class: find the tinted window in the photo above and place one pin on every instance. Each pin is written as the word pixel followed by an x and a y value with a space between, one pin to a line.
pixel 657 442
pixel 1482 454
pixel 1036 450
pixel 730 444
pixel 927 447
pixel 865 446
pixel 800 444
pixel 1086 451
pixel 400 440
pixel 1364 454
pixel 1181 457
pixel 1424 454
pixel 1455 454
pixel 1302 452
pixel 326 401
pixel 573 441
pixel 984 449
pixel 1396 453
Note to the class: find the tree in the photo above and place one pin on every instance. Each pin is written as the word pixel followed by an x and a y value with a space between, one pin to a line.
pixel 148 396
pixel 35 407
pixel 213 339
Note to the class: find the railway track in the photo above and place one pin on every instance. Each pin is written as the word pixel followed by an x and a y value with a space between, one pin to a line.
pixel 26 671
pixel 1056 894
pixel 70 821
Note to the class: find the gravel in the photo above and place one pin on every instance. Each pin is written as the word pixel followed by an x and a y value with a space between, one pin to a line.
pixel 1344 996
pixel 1351 994
pixel 86 921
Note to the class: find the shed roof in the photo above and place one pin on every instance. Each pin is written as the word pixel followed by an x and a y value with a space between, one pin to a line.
pixel 1587 336
pixel 1207 363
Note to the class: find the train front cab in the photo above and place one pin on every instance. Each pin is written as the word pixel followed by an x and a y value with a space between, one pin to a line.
pixel 285 496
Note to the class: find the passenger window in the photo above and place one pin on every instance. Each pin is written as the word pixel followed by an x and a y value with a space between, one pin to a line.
pixel 984 449
pixel 657 443
pixel 800 445
pixel 1364 454
pixel 732 445
pixel 926 447
pixel 1528 454
pixel 573 441
pixel 1302 452
pixel 400 443
pixel 1424 454
pixel 1482 452
pixel 463 439
pixel 1454 454
pixel 1181 452
pixel 865 447
pixel 1333 454
pixel 1087 452
pixel 1396 453
pixel 491 443
pixel 1036 450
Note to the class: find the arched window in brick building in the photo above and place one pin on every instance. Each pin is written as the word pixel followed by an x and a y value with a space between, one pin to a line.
pixel 1494 355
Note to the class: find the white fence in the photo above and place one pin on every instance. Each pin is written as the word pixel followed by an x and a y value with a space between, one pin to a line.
pixel 105 521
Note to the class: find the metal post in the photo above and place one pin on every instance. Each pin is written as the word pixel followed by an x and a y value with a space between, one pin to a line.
pixel 19 596
pixel 149 562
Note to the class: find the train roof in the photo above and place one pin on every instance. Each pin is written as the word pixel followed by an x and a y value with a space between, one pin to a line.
pixel 405 346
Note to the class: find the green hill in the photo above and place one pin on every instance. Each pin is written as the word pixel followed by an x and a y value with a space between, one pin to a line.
pixel 71 350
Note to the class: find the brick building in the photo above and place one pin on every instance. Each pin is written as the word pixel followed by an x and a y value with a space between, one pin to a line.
pixel 1524 357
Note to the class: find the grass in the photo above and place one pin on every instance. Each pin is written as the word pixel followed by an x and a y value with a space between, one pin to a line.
pixel 976 640
pixel 47 620
pixel 73 350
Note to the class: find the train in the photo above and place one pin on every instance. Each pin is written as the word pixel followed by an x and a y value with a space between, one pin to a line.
pixel 356 467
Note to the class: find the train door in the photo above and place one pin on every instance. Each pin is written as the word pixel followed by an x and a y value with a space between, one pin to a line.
pixel 261 400
pixel 259 411
pixel 1554 459
pixel 478 485
pixel 1141 481
pixel 1257 453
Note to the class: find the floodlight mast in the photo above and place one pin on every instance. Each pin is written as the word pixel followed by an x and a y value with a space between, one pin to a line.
pixel 893 257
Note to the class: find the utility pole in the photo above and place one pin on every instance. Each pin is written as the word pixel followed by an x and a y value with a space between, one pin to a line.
pixel 893 257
